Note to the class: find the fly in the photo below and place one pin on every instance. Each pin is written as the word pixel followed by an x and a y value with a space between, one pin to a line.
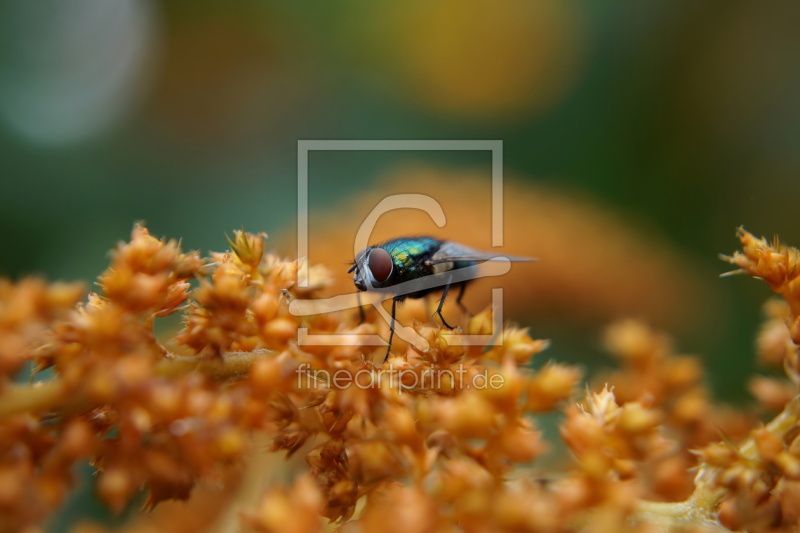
pixel 409 258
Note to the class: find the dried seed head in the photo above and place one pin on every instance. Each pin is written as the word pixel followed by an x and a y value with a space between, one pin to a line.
pixel 550 386
pixel 248 248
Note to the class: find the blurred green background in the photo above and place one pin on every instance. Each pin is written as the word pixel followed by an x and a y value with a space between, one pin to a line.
pixel 683 116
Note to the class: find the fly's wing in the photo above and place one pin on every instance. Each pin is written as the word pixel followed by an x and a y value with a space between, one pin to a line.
pixel 451 251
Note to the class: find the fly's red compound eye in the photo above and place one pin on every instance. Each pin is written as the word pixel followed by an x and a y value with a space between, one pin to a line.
pixel 380 264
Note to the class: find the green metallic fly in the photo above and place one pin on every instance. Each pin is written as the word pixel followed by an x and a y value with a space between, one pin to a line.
pixel 383 266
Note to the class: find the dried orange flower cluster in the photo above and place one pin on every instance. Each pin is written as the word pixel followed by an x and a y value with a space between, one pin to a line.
pixel 443 439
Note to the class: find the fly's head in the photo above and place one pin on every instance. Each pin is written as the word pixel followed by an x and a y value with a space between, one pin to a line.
pixel 372 267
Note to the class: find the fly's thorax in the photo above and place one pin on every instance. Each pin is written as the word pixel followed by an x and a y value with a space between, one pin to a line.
pixel 410 255
pixel 411 249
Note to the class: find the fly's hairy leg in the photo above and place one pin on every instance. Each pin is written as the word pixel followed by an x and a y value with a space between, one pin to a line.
pixel 362 316
pixel 391 330
pixel 441 304
pixel 463 307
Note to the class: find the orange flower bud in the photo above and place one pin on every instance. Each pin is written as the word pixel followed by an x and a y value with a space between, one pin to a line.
pixel 550 386
pixel 116 486
pixel 767 443
pixel 636 419
pixel 719 454
pixel 280 331
pixel 265 307
pixel 400 426
pixel 519 444
pixel 466 416
pixel 265 375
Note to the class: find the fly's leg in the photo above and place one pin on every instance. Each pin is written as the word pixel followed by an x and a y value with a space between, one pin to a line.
pixel 391 331
pixel 441 304
pixel 458 300
pixel 362 316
